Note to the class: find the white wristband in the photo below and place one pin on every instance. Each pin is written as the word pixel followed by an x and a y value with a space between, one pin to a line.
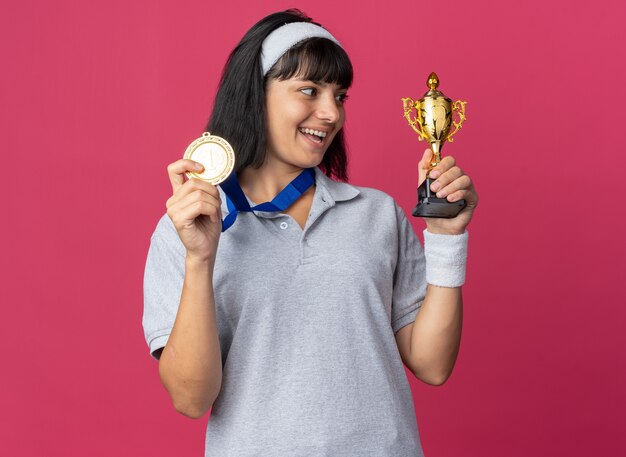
pixel 446 256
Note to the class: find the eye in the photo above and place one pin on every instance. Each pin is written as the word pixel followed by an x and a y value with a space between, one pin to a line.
pixel 341 98
pixel 310 91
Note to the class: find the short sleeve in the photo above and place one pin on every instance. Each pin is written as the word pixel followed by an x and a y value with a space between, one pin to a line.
pixel 162 285
pixel 409 282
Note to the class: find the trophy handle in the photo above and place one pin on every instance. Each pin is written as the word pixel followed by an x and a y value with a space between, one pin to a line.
pixel 459 108
pixel 409 104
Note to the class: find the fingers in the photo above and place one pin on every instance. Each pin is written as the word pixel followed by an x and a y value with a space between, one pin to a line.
pixel 193 198
pixel 186 209
pixel 451 181
pixel 424 164
pixel 446 163
pixel 466 194
pixel 426 159
pixel 190 197
pixel 191 186
pixel 198 208
pixel 176 171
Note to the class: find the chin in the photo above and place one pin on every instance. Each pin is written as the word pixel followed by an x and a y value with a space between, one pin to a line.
pixel 313 162
pixel 306 159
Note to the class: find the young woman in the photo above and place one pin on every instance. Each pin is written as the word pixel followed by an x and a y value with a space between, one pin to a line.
pixel 295 326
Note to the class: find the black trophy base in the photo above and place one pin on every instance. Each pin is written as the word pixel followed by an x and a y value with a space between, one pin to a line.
pixel 428 205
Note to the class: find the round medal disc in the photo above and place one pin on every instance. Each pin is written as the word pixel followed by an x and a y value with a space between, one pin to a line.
pixel 215 155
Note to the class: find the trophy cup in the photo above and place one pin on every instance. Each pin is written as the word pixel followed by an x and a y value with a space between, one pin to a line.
pixel 432 122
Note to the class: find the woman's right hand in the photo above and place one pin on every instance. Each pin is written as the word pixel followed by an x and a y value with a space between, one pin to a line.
pixel 195 210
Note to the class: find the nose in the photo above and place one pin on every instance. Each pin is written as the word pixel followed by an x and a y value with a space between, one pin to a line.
pixel 328 108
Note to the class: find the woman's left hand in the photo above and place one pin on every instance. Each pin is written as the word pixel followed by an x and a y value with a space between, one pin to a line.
pixel 453 184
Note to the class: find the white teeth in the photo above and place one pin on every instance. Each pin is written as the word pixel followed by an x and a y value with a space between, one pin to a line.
pixel 313 132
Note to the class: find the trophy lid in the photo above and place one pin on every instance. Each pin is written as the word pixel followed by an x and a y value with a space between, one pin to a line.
pixel 433 82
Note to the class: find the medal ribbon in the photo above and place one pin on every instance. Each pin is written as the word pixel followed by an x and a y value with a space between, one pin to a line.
pixel 236 200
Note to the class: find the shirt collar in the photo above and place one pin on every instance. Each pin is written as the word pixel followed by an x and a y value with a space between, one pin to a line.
pixel 329 190
pixel 337 191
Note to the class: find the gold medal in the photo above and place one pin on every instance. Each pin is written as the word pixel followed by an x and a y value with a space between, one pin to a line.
pixel 215 155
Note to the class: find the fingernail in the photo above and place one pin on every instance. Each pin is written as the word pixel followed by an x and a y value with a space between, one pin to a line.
pixel 435 186
pixel 198 167
pixel 434 174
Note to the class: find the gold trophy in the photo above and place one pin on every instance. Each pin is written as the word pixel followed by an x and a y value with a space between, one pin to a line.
pixel 432 122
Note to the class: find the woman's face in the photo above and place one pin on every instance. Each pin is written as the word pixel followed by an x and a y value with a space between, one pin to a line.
pixel 302 117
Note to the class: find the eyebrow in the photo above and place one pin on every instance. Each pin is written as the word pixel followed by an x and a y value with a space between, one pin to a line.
pixel 320 83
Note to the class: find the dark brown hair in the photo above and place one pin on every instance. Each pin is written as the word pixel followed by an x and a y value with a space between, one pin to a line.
pixel 239 110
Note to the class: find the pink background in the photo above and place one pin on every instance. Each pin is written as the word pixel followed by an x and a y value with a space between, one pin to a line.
pixel 98 97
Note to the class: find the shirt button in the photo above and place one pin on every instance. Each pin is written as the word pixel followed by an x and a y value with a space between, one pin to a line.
pixel 284 225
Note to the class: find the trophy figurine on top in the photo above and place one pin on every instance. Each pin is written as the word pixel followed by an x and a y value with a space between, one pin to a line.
pixel 432 121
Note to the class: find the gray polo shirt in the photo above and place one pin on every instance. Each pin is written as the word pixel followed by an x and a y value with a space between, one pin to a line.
pixel 306 322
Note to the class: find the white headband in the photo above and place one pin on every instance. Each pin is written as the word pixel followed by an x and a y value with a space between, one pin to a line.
pixel 284 38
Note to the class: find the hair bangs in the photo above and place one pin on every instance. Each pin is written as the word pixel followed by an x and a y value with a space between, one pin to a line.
pixel 315 59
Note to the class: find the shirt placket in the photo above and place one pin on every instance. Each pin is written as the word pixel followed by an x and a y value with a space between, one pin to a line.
pixel 321 203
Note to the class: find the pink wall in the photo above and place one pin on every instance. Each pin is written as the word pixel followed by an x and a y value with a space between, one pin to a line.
pixel 97 97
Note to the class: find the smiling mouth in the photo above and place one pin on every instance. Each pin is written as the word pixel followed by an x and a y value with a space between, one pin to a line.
pixel 315 136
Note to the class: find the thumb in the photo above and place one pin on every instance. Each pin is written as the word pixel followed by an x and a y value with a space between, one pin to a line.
pixel 424 165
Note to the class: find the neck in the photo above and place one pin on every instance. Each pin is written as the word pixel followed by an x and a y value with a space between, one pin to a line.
pixel 263 184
